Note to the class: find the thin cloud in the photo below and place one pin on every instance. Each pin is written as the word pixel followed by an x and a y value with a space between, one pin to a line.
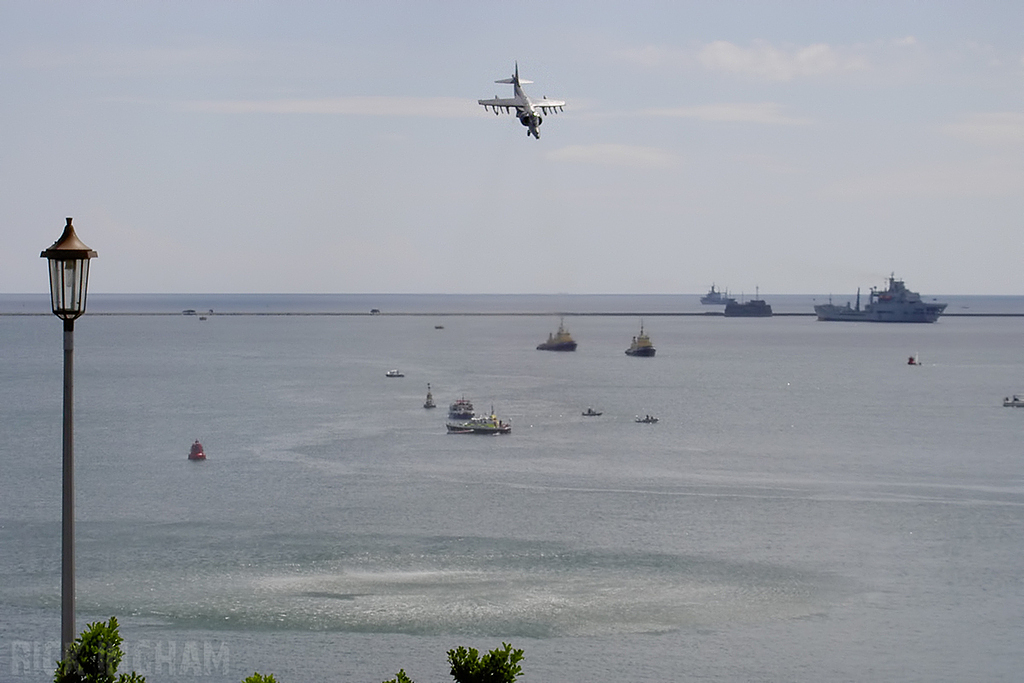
pixel 615 155
pixel 128 61
pixel 767 62
pixel 756 112
pixel 990 177
pixel 991 128
pixel 656 56
pixel 761 60
pixel 434 107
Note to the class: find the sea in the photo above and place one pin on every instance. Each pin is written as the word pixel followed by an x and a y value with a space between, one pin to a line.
pixel 809 507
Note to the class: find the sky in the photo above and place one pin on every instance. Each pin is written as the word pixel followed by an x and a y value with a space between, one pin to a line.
pixel 338 147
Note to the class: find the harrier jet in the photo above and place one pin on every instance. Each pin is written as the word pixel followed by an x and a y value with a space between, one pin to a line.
pixel 526 109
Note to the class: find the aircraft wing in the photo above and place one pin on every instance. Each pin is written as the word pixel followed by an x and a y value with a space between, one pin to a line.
pixel 544 104
pixel 500 102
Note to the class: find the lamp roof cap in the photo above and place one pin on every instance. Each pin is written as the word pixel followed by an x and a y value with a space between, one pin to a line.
pixel 68 247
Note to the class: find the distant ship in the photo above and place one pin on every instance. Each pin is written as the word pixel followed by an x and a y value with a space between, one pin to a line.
pixel 559 341
pixel 641 345
pixel 714 297
pixel 897 304
pixel 755 308
pixel 462 409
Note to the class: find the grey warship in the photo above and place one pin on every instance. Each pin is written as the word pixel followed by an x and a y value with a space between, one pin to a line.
pixel 897 304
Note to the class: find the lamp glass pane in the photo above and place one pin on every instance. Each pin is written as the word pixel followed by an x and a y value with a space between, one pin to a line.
pixel 68 281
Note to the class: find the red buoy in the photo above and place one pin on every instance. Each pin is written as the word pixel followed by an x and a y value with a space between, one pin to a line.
pixel 196 453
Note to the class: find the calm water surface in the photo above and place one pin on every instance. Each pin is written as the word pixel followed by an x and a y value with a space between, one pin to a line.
pixel 808 508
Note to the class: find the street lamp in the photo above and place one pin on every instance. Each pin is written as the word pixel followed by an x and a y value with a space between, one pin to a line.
pixel 69 278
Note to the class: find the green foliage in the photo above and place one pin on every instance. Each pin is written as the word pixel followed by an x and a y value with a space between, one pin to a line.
pixel 500 665
pixel 257 677
pixel 400 677
pixel 94 657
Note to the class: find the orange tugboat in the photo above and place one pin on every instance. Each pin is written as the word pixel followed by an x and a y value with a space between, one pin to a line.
pixel 196 452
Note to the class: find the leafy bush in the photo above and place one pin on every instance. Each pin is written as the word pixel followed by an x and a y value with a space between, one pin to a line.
pixel 94 657
pixel 400 677
pixel 500 665
pixel 257 677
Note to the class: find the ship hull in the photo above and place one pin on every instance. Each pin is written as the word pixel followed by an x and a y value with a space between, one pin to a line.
pixel 465 429
pixel 928 313
pixel 557 346
pixel 642 353
pixel 755 308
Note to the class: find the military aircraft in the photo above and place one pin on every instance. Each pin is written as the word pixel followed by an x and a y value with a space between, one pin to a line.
pixel 525 108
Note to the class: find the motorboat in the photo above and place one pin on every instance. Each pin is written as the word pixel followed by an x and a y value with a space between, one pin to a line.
pixel 393 373
pixel 1015 402
pixel 429 403
pixel 196 452
pixel 590 412
pixel 646 419
pixel 485 424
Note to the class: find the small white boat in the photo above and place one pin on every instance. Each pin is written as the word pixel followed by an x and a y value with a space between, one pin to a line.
pixel 393 373
pixel 1015 402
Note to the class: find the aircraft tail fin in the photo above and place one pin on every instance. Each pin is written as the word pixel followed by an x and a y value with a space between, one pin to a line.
pixel 515 80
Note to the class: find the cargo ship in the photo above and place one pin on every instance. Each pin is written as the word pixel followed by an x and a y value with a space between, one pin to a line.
pixel 755 308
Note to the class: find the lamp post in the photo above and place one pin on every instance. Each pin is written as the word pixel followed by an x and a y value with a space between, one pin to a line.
pixel 69 277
